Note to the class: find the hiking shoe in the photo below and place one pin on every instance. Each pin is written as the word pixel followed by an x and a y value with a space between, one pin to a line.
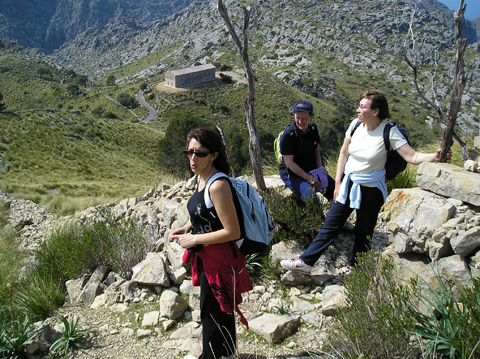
pixel 296 265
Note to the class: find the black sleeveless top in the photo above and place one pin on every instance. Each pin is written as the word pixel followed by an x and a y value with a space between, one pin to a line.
pixel 203 220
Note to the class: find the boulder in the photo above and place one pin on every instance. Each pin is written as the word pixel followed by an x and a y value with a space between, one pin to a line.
pixel 450 181
pixel 333 298
pixel 466 243
pixel 172 305
pixel 413 215
pixel 151 271
pixel 273 327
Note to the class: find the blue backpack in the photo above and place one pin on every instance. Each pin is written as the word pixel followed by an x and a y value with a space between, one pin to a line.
pixel 256 223
pixel 395 163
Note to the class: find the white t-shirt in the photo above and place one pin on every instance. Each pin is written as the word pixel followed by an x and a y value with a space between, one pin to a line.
pixel 367 149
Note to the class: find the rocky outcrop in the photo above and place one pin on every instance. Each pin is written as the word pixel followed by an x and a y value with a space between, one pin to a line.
pixel 435 229
pixel 52 23
pixel 450 181
pixel 426 233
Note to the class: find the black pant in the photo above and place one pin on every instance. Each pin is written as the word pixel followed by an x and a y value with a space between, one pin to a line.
pixel 372 201
pixel 219 337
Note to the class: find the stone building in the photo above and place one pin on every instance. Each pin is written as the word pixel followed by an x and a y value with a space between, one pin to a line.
pixel 190 76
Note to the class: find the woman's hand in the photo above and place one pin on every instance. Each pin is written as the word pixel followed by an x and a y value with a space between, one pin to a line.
pixel 177 233
pixel 186 240
pixel 437 155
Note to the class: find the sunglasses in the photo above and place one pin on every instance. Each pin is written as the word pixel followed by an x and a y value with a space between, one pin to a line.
pixel 200 154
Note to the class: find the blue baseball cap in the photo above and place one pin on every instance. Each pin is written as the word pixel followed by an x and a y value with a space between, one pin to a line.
pixel 303 106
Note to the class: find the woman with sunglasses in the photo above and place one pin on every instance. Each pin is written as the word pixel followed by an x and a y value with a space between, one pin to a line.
pixel 209 238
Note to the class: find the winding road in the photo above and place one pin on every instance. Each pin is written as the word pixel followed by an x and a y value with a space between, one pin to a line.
pixel 151 111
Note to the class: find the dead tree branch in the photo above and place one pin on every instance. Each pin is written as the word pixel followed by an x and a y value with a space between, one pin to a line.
pixel 458 84
pixel 249 102
pixel 224 140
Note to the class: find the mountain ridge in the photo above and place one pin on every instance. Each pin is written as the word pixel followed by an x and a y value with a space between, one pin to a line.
pixel 49 24
pixel 311 46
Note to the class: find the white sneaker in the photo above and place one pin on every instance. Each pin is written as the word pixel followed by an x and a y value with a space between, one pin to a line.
pixel 296 265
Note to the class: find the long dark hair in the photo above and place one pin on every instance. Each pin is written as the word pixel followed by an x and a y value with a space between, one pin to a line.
pixel 212 141
pixel 378 101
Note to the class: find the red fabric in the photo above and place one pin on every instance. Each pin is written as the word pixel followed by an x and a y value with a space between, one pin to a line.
pixel 227 275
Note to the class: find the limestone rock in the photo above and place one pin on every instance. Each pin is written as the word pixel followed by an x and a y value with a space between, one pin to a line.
pixel 333 298
pixel 172 305
pixel 413 215
pixel 151 271
pixel 274 327
pixel 150 319
pixel 74 288
pixel 450 181
pixel 467 243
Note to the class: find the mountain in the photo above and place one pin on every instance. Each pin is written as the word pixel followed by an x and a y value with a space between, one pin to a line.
pixel 321 48
pixel 48 24
pixel 310 45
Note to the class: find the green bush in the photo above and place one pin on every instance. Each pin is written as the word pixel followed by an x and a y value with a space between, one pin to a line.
pixel 128 101
pixel 77 247
pixel 405 179
pixel 172 144
pixel 38 295
pixel 72 250
pixel 296 220
pixel 451 329
pixel 376 322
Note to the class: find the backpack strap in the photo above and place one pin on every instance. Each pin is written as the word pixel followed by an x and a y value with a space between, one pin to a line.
pixel 206 195
pixel 238 208
pixel 354 129
pixel 386 135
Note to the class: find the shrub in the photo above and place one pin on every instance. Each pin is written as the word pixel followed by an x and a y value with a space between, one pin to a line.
pixel 253 265
pixel 227 79
pixel 111 80
pixel 98 111
pixel 2 105
pixel 110 115
pixel 375 322
pixel 73 89
pixel 77 247
pixel 81 80
pixel 14 338
pixel 38 295
pixel 72 250
pixel 172 144
pixel 405 179
pixel 127 100
pixel 451 328
pixel 296 219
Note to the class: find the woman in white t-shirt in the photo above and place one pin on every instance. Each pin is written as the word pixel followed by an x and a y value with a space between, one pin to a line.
pixel 360 180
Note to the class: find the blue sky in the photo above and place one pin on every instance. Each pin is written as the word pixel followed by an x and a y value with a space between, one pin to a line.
pixel 472 11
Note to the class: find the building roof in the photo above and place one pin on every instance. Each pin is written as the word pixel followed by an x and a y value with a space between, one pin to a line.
pixel 188 70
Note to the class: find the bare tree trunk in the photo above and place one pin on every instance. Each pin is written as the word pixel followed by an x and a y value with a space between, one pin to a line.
pixel 224 140
pixel 458 87
pixel 249 102
pixel 458 84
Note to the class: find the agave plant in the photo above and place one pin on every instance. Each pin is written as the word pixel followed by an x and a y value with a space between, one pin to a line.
pixel 72 335
pixel 14 339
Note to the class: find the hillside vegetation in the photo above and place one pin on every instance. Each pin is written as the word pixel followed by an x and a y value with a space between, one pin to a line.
pixel 70 149
pixel 55 151
pixel 53 158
